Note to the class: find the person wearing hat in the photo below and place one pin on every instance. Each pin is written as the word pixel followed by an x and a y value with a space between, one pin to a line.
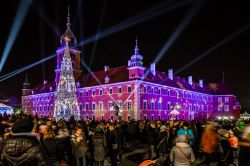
pixel 182 154
pixel 23 147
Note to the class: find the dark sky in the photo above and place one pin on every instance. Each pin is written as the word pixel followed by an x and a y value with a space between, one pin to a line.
pixel 216 20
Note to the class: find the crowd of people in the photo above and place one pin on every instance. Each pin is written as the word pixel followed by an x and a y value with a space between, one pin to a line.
pixel 32 140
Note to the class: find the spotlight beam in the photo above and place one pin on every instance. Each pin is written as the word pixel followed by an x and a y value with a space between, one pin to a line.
pixel 180 28
pixel 27 67
pixel 45 18
pixel 220 44
pixel 18 21
pixel 182 25
pixel 133 21
pixel 98 30
pixel 98 81
pixel 120 27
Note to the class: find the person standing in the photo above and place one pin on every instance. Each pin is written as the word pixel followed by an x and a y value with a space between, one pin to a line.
pixel 99 147
pixel 112 138
pixel 23 147
pixel 182 154
pixel 79 147
pixel 51 146
pixel 186 131
pixel 209 144
pixel 151 135
pixel 162 143
pixel 245 146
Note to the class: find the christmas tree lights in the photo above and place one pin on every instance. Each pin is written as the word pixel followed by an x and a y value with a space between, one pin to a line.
pixel 66 104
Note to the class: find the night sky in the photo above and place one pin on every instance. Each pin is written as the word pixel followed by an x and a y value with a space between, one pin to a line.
pixel 216 20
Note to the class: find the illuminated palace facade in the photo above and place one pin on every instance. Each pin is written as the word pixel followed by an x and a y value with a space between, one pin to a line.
pixel 132 91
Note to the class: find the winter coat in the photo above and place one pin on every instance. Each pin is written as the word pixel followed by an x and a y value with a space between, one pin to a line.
pixel 99 147
pixel 209 142
pixel 151 135
pixel 226 150
pixel 24 149
pixel 162 142
pixel 178 158
pixel 79 148
pixel 188 132
pixel 52 149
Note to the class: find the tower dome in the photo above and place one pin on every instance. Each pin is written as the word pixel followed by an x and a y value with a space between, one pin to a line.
pixel 136 58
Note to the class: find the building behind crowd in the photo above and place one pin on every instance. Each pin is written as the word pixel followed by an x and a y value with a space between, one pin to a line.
pixel 132 91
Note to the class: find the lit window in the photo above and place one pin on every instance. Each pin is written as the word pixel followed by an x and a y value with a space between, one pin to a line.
pixel 119 89
pixel 220 107
pixel 226 99
pixel 219 99
pixel 119 104
pixel 100 106
pixel 129 105
pixel 111 107
pixel 226 107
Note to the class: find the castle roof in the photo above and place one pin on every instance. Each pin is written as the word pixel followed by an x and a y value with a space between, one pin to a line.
pixel 121 74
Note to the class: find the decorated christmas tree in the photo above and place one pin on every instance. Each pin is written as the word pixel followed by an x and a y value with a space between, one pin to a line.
pixel 66 104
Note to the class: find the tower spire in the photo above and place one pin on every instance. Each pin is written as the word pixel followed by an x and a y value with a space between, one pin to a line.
pixel 68 18
pixel 26 78
pixel 136 46
pixel 68 32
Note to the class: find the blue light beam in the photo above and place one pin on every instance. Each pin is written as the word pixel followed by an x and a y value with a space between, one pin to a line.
pixel 18 21
pixel 92 55
pixel 27 67
pixel 133 21
pixel 97 80
pixel 119 27
pixel 220 44
pixel 46 19
pixel 180 28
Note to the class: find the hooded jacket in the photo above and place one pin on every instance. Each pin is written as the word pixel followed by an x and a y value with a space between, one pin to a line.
pixel 23 149
pixel 182 154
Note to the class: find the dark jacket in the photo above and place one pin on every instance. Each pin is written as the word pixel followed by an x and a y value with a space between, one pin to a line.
pixel 162 142
pixel 24 149
pixel 79 148
pixel 151 135
pixel 52 149
pixel 99 147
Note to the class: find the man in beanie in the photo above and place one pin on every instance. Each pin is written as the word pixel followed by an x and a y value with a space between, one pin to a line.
pixel 23 147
